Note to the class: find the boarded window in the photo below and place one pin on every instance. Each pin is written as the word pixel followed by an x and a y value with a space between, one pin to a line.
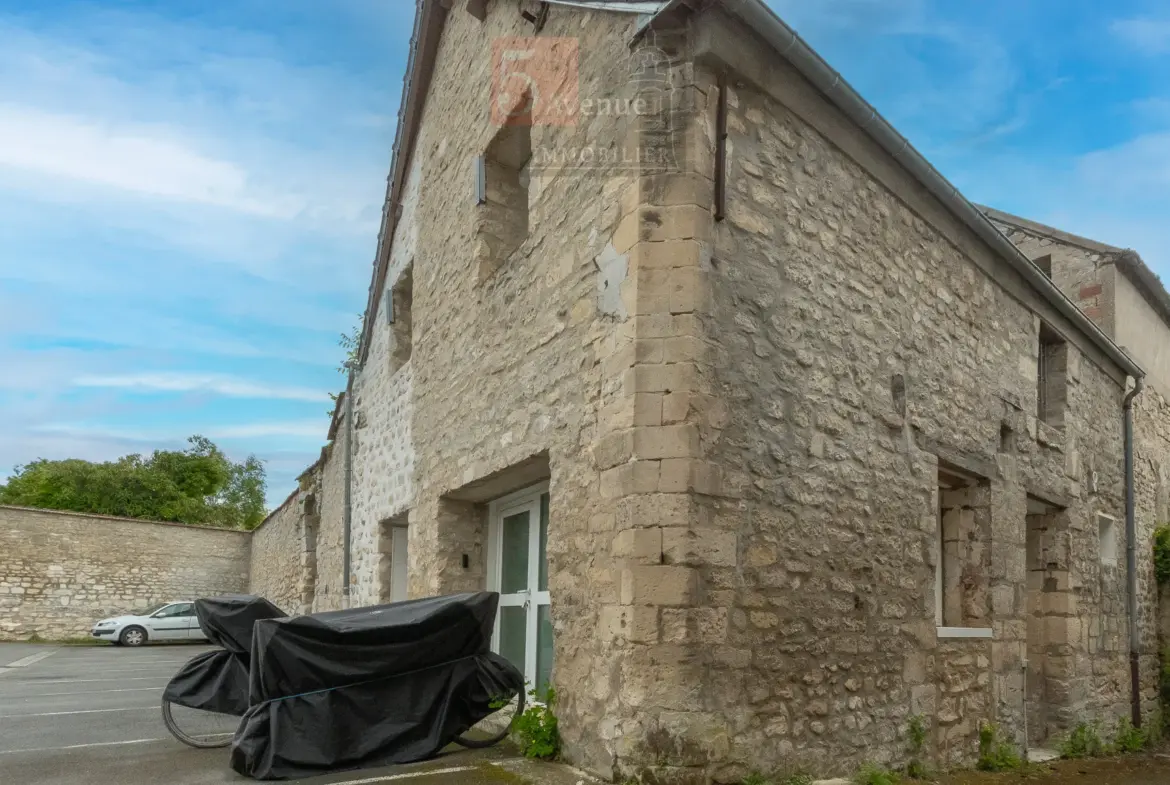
pixel 964 550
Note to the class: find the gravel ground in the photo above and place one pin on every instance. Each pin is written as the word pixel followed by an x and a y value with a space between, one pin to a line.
pixel 1153 769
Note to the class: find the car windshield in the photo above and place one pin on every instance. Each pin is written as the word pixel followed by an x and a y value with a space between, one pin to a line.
pixel 152 609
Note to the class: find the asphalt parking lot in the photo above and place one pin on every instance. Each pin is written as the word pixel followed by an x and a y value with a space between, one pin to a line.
pixel 74 715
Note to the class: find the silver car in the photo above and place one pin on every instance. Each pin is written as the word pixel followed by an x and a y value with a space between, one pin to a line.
pixel 170 621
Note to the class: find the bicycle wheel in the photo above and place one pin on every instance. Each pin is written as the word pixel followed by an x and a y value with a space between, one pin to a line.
pixel 199 728
pixel 492 729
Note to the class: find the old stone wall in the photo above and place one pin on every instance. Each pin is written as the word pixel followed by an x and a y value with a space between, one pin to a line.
pixel 328 487
pixel 1083 270
pixel 519 367
pixel 1089 274
pixel 383 464
pixel 863 345
pixel 60 572
pixel 278 557
pixel 1151 493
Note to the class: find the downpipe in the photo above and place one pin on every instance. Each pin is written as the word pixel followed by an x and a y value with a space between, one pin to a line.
pixel 347 517
pixel 1131 560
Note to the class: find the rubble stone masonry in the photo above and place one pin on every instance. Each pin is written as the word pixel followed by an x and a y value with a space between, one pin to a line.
pixel 60 572
pixel 761 435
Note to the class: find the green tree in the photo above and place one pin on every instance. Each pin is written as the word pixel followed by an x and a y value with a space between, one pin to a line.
pixel 197 485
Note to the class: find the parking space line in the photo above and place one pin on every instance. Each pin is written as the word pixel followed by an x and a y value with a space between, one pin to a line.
pixel 79 746
pixel 106 670
pixel 83 681
pixel 408 775
pixel 24 662
pixel 81 711
pixel 80 692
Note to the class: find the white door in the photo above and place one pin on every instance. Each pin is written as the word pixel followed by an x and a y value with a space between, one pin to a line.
pixel 170 623
pixel 519 572
pixel 398 563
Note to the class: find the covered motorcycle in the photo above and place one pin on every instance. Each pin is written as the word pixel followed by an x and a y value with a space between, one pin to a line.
pixel 218 680
pixel 370 686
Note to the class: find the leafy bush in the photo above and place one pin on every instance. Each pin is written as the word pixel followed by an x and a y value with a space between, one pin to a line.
pixel 995 752
pixel 755 778
pixel 872 774
pixel 536 731
pixel 1162 554
pixel 1083 742
pixel 1129 738
pixel 199 485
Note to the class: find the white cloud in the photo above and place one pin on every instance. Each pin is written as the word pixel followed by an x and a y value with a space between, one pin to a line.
pixel 128 159
pixel 1136 165
pixel 207 383
pixel 1149 36
pixel 316 428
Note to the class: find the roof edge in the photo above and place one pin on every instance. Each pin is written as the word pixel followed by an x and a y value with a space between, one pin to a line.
pixel 429 19
pixel 1049 231
pixel 1127 260
pixel 776 33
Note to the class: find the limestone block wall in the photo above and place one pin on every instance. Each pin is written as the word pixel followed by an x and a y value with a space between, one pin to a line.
pixel 865 339
pixel 329 491
pixel 1151 492
pixel 1085 274
pixel 523 360
pixel 277 552
pixel 60 572
pixel 383 455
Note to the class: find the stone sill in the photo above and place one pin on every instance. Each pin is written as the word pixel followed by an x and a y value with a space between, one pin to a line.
pixel 964 632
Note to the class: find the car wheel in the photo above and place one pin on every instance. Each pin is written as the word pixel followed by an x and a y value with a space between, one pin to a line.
pixel 132 636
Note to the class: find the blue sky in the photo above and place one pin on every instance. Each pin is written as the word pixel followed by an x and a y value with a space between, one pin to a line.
pixel 190 190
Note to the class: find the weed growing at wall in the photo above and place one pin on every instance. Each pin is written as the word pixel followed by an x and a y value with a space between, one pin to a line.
pixel 995 752
pixel 755 778
pixel 1162 554
pixel 1129 738
pixel 916 736
pixel 872 774
pixel 1083 742
pixel 1154 728
pixel 535 731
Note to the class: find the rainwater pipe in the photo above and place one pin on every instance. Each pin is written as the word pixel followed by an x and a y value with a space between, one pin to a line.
pixel 1135 638
pixel 347 518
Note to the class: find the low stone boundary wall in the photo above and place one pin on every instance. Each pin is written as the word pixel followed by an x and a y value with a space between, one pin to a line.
pixel 61 571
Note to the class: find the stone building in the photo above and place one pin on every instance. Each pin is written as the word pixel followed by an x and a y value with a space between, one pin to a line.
pixel 768 438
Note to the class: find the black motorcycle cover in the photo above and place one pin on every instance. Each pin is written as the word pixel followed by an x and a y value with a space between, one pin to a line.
pixel 218 680
pixel 369 686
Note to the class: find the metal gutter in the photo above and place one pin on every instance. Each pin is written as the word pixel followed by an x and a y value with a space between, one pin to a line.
pixel 761 19
pixel 621 6
pixel 347 514
pixel 1131 566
